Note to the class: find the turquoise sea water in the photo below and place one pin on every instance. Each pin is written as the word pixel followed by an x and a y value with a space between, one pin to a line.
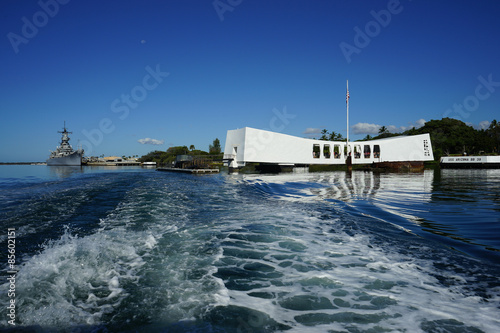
pixel 136 250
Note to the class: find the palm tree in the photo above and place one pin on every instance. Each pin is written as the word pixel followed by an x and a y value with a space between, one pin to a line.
pixel 336 137
pixel 324 133
pixel 382 130
pixel 493 124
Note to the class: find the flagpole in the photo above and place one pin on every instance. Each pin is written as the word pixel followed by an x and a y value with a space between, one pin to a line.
pixel 349 157
pixel 347 102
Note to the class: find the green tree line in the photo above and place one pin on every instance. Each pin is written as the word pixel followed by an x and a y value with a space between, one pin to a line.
pixel 448 136
pixel 169 156
pixel 451 136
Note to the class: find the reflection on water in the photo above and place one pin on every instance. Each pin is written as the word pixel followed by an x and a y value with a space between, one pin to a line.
pixel 344 186
pixel 469 185
pixel 456 207
pixel 465 208
pixel 332 185
pixel 347 186
pixel 38 173
pixel 156 252
pixel 64 171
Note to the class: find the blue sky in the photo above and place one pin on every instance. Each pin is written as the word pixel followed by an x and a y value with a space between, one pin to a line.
pixel 129 77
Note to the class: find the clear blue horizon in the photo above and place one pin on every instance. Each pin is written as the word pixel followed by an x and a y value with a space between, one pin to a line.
pixel 136 76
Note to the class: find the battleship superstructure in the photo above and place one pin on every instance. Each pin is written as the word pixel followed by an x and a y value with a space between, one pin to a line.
pixel 64 154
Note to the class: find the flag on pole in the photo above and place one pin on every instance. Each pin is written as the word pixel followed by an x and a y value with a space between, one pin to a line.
pixel 347 109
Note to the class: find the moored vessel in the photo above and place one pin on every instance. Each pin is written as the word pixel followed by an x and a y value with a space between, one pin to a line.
pixel 64 154
pixel 470 162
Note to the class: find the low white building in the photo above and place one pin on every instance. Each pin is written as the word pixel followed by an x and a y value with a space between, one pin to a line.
pixel 250 145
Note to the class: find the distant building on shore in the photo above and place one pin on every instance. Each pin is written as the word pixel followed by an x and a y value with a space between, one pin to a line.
pixel 111 161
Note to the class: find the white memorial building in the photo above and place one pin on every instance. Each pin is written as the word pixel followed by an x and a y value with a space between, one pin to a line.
pixel 250 145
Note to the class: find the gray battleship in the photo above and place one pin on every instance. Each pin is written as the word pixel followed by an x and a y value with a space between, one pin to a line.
pixel 64 154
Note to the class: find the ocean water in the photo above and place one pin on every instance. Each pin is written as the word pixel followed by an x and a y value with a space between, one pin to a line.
pixel 136 250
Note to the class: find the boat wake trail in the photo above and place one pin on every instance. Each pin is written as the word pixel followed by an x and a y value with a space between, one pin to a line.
pixel 145 266
pixel 310 267
pixel 229 253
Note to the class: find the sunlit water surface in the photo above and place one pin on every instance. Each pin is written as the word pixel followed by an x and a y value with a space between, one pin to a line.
pixel 132 249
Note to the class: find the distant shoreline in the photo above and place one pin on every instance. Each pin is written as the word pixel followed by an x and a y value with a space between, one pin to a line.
pixel 23 163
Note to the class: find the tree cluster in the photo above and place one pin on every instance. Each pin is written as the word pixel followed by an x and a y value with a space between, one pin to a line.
pixel 452 136
pixel 325 135
pixel 214 148
pixel 169 156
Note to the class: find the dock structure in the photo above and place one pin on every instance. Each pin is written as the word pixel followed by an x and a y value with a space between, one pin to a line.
pixel 250 145
pixel 123 163
pixel 193 171
pixel 470 162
